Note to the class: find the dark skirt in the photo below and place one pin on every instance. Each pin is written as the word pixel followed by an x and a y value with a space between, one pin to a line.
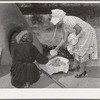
pixel 24 72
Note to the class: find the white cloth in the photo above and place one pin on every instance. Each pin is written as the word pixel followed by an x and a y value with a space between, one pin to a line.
pixel 72 40
pixel 53 52
pixel 52 69
pixel 87 40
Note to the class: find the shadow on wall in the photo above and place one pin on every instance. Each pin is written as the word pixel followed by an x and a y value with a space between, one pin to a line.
pixel 4 70
pixel 12 41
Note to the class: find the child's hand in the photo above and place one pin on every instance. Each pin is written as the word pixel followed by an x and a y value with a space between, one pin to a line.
pixel 49 56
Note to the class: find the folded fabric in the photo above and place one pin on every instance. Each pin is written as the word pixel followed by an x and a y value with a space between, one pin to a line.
pixel 70 49
pixel 51 68
pixel 72 40
pixel 53 52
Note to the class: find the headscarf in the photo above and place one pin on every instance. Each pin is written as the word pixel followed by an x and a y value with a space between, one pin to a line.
pixel 57 15
pixel 20 35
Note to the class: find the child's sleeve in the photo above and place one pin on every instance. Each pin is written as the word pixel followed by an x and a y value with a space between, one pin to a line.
pixel 40 58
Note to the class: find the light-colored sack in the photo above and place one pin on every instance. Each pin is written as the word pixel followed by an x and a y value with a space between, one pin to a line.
pixel 72 40
pixel 51 68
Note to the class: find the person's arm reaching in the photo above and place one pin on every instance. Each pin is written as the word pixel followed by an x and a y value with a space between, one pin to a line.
pixel 40 58
pixel 65 35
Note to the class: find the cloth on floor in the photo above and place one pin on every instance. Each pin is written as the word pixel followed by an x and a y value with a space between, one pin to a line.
pixel 57 64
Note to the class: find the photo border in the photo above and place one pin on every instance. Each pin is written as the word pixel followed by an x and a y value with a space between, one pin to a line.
pixel 50 93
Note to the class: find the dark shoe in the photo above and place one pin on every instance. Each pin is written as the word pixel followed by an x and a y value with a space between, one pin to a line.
pixel 75 69
pixel 81 75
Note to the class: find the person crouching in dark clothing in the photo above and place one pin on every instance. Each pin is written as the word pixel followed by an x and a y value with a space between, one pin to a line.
pixel 24 71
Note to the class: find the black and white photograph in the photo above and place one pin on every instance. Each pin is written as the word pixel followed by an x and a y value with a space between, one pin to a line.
pixel 49 45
